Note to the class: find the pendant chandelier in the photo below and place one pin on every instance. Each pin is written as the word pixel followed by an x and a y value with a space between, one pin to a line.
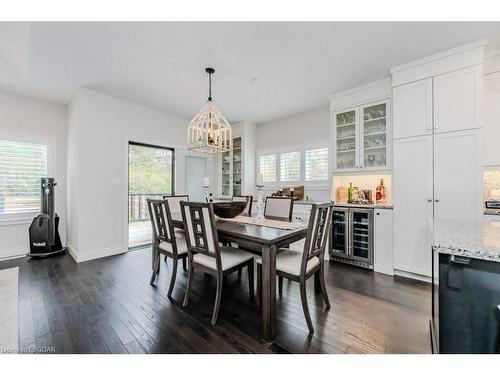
pixel 209 131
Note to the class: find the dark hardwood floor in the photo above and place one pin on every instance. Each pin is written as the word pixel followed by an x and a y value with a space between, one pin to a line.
pixel 108 306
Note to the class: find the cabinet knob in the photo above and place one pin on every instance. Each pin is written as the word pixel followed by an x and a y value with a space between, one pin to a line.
pixel 378 213
pixel 436 127
pixel 429 129
pixel 436 200
pixel 429 200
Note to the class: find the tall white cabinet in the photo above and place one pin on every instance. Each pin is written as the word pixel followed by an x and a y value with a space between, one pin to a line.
pixel 437 168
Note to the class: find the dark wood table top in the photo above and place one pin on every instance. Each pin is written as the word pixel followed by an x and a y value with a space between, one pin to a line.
pixel 255 233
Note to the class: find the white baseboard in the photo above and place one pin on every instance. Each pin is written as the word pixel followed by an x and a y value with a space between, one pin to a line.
pixel 13 253
pixel 72 251
pixel 85 256
pixel 414 276
pixel 383 269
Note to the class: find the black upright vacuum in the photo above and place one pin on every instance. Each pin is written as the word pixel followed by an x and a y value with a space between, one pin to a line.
pixel 44 230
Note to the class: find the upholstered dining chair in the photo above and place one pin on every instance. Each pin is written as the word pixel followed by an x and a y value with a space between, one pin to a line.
pixel 165 240
pixel 206 254
pixel 174 204
pixel 300 266
pixel 278 208
pixel 245 198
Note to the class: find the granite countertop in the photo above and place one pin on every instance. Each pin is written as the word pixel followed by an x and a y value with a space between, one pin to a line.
pixel 386 206
pixel 473 239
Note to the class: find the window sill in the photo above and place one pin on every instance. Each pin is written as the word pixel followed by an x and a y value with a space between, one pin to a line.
pixel 15 221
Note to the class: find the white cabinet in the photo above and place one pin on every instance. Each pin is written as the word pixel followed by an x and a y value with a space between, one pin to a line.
pixel 412 109
pixel 235 169
pixel 412 201
pixel 361 128
pixel 457 175
pixel 455 100
pixel 383 239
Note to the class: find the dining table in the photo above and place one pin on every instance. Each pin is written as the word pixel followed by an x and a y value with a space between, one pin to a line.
pixel 265 241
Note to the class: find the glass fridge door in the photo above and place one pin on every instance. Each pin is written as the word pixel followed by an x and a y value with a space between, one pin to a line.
pixel 340 232
pixel 362 235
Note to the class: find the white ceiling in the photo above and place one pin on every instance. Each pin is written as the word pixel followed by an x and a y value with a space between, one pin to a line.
pixel 263 70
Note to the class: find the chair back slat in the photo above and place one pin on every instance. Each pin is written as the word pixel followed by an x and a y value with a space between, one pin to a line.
pixel 245 198
pixel 279 207
pixel 174 202
pixel 161 220
pixel 199 221
pixel 317 234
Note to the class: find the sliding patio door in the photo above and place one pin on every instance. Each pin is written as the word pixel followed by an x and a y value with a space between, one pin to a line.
pixel 150 175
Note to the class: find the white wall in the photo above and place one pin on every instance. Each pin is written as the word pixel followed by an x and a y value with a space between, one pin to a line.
pixel 100 127
pixel 491 131
pixel 299 130
pixel 41 120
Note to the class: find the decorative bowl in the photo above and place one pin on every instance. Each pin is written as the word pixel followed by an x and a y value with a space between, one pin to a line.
pixel 228 210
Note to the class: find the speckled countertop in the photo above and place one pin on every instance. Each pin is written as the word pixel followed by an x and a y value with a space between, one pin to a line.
pixel 386 206
pixel 473 239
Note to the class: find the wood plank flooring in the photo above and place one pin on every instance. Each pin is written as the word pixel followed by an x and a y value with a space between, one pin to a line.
pixel 108 306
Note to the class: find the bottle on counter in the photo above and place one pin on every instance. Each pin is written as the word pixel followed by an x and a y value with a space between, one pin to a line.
pixel 380 194
pixel 349 193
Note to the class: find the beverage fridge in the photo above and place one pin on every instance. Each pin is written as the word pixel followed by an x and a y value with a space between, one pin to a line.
pixel 352 236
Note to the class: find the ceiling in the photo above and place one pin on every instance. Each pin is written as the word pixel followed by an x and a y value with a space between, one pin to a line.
pixel 263 70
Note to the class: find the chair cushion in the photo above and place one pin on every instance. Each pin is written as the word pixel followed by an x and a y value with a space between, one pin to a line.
pixel 181 246
pixel 230 257
pixel 289 261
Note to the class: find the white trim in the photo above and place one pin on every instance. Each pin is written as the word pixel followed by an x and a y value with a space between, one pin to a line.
pixel 84 256
pixel 72 251
pixel 6 221
pixel 411 275
pixel 19 252
pixel 355 90
pixel 383 269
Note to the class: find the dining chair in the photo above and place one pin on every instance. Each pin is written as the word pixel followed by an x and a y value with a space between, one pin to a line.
pixel 165 240
pixel 174 204
pixel 300 266
pixel 245 198
pixel 206 254
pixel 278 208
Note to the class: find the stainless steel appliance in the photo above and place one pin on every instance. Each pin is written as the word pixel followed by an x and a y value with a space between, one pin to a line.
pixel 352 236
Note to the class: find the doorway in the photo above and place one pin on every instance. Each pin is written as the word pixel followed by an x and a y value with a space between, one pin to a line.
pixel 150 175
pixel 196 170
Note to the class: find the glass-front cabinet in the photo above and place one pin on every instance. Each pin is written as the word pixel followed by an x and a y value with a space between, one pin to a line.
pixel 361 135
pixel 231 170
pixel 340 231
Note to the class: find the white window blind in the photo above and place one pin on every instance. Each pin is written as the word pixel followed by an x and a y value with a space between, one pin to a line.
pixel 316 164
pixel 267 166
pixel 290 166
pixel 21 167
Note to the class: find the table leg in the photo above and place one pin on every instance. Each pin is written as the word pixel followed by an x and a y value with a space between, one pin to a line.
pixel 268 283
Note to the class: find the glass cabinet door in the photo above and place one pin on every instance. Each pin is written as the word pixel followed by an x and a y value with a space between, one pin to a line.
pixel 375 135
pixel 361 234
pixel 226 174
pixel 340 232
pixel 345 128
pixel 237 166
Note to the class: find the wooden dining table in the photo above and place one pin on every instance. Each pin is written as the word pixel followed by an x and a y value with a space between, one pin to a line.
pixel 264 241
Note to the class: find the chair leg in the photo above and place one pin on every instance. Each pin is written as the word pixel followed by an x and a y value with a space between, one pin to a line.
pixel 303 297
pixel 189 283
pixel 259 284
pixel 155 268
pixel 184 264
pixel 165 259
pixel 250 279
pixel 323 287
pixel 239 273
pixel 280 285
pixel 172 279
pixel 218 297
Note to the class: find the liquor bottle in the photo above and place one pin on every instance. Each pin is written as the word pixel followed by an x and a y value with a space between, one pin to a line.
pixel 349 193
pixel 380 196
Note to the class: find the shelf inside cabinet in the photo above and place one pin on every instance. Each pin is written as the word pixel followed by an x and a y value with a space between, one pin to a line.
pixel 374 119
pixel 373 134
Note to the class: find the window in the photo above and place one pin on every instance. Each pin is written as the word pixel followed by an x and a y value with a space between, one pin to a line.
pixel 267 167
pixel 22 165
pixel 316 164
pixel 290 166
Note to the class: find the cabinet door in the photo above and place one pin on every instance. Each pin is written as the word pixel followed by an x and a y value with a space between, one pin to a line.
pixel 361 234
pixel 374 135
pixel 457 175
pixel 455 101
pixel 226 174
pixel 412 198
pixel 237 166
pixel 345 135
pixel 340 232
pixel 412 109
pixel 383 237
